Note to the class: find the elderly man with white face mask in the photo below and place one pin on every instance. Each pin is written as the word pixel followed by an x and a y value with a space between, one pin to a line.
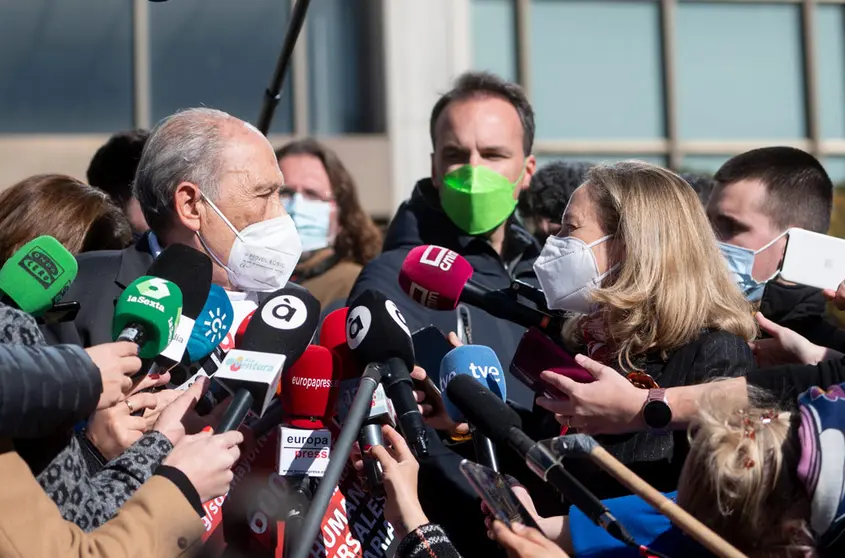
pixel 208 180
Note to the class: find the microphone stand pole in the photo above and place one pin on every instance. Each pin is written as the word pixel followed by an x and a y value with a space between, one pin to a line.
pixel 273 93
pixel 358 412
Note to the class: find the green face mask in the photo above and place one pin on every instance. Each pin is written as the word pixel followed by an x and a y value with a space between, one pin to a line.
pixel 477 199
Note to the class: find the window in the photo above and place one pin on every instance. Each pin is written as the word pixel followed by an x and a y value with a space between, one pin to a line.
pixel 220 54
pixel 346 87
pixel 739 71
pixel 830 53
pixel 494 37
pixel 703 164
pixel 66 67
pixel 596 69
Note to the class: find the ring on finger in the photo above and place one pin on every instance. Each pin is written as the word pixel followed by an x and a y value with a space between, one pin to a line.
pixel 129 404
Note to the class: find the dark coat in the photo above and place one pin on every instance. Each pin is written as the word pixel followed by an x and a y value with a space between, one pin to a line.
pixel 45 388
pixel 421 221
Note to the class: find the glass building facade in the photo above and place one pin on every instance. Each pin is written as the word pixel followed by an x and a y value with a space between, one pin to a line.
pixel 676 82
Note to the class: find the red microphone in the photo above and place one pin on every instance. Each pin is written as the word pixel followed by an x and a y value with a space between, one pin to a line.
pixel 333 337
pixel 440 278
pixel 309 389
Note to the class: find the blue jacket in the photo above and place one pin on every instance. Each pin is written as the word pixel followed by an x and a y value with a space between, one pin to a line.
pixel 419 221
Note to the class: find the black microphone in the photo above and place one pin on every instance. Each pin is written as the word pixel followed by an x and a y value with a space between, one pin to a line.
pixel 376 332
pixel 191 271
pixel 492 416
pixel 277 335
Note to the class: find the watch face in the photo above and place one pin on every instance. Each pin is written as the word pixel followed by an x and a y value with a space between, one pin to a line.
pixel 657 414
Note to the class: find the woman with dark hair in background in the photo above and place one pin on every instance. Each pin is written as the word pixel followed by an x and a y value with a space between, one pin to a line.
pixel 79 216
pixel 338 238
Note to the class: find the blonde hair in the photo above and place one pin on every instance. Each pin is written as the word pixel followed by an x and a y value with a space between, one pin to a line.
pixel 673 281
pixel 740 480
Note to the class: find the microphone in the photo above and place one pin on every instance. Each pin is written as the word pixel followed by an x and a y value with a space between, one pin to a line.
pixel 481 364
pixel 309 396
pixel 502 425
pixel 376 332
pixel 439 278
pixel 146 313
pixel 190 270
pixel 333 336
pixel 276 336
pixel 212 325
pixel 239 335
pixel 37 275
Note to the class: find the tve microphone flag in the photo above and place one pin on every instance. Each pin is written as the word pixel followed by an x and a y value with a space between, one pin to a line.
pixel 275 338
pixel 439 278
pixel 481 364
pixel 37 276
pixel 376 332
pixel 146 313
pixel 190 270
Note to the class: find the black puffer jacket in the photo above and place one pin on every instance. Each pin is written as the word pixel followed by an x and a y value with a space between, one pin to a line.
pixel 43 388
pixel 420 221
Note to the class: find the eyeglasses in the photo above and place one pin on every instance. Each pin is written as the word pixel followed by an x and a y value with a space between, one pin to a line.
pixel 288 190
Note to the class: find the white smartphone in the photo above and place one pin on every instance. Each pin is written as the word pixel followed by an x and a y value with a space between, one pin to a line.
pixel 813 259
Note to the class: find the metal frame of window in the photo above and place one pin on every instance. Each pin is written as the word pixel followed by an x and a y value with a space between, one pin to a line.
pixel 671 146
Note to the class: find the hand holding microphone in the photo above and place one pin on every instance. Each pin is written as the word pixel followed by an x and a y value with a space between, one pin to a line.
pixel 117 363
pixel 400 471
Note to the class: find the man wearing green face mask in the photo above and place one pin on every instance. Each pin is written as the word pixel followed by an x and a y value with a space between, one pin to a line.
pixel 482 133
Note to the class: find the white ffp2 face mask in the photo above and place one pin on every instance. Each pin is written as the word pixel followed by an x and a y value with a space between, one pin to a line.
pixel 263 255
pixel 568 273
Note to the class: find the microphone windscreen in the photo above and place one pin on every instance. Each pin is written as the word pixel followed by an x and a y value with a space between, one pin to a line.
pixel 239 335
pixel 376 330
pixel 188 269
pixel 212 325
pixel 153 303
pixel 483 408
pixel 333 337
pixel 38 274
pixel 477 362
pixel 283 324
pixel 309 389
pixel 434 276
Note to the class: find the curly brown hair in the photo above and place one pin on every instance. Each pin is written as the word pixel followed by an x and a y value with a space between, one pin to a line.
pixel 358 238
pixel 81 217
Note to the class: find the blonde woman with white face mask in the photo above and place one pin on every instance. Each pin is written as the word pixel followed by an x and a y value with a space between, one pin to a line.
pixel 637 263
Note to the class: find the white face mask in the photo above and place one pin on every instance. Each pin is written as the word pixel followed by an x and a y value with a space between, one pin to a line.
pixel 568 273
pixel 263 255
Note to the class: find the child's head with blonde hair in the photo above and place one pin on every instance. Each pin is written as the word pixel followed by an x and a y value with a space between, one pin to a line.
pixel 740 479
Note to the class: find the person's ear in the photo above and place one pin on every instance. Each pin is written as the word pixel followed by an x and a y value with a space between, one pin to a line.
pixel 530 168
pixel 187 202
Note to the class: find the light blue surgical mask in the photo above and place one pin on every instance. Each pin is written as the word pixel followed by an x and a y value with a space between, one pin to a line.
pixel 741 263
pixel 312 219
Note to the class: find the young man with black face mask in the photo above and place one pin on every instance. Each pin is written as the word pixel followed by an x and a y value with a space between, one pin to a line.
pixel 758 196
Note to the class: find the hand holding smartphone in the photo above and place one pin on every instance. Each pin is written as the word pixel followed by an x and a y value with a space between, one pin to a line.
pixel 495 491
pixel 537 352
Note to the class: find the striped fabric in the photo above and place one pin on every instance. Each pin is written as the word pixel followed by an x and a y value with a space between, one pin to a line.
pixel 428 541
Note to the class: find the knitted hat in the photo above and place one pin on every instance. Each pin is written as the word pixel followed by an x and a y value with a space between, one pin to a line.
pixel 18 328
pixel 822 464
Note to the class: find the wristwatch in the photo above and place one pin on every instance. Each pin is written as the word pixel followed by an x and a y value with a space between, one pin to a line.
pixel 656 411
